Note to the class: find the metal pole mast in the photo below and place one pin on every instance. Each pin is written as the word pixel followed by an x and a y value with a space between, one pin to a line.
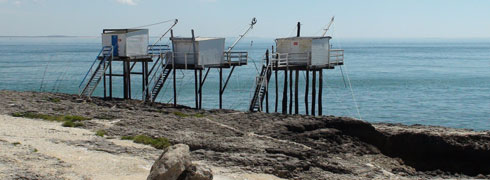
pixel 175 23
pixel 227 54
pixel 254 21
pixel 328 27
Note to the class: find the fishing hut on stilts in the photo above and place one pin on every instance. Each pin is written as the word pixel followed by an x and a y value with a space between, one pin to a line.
pixel 126 47
pixel 311 55
pixel 131 46
pixel 197 54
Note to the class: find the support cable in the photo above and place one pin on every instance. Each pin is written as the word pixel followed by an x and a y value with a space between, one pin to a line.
pixel 350 85
pixel 353 96
pixel 148 25
pixel 44 75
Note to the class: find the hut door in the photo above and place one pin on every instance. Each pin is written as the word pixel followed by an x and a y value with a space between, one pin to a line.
pixel 114 45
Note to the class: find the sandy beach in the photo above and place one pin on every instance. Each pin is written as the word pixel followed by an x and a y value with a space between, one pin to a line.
pixel 46 150
pixel 235 145
pixel 43 149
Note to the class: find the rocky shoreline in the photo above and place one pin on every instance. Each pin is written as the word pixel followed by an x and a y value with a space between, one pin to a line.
pixel 285 146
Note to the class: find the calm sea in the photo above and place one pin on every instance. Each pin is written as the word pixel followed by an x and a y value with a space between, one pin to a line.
pixel 443 82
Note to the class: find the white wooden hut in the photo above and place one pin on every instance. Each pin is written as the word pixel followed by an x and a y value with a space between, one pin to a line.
pixel 312 52
pixel 201 53
pixel 126 42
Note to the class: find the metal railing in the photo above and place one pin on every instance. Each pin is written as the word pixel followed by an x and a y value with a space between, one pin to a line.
pixel 292 59
pixel 236 57
pixel 158 49
pixel 156 74
pixel 336 56
pixel 281 59
pixel 261 82
pixel 104 51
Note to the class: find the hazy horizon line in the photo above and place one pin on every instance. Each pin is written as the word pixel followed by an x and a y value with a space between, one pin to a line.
pixel 253 37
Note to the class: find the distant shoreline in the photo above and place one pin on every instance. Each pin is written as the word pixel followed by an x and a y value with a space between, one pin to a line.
pixel 53 36
pixel 346 39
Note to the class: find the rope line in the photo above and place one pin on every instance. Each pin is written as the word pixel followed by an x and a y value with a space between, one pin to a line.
pixel 148 25
pixel 348 78
pixel 44 75
pixel 180 88
pixel 352 93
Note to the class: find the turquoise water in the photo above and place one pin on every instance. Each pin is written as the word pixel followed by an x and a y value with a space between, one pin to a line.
pixel 426 81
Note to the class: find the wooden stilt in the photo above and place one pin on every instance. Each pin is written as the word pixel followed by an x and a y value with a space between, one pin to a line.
pixel 104 81
pixel 200 88
pixel 307 90
pixel 143 78
pixel 228 79
pixel 128 71
pixel 195 70
pixel 267 99
pixel 296 103
pixel 277 87
pixel 290 91
pixel 146 79
pixel 267 82
pixel 195 88
pixel 320 87
pixel 285 94
pixel 125 80
pixel 220 88
pixel 313 93
pixel 110 78
pixel 261 103
pixel 174 82
pixel 171 58
pixel 129 82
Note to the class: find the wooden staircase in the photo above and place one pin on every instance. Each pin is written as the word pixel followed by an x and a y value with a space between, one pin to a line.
pixel 262 82
pixel 159 76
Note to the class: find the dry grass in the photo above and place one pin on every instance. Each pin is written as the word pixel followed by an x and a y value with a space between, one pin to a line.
pixel 68 120
pixel 159 143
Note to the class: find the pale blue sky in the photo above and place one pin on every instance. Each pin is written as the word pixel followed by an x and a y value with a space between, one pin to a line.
pixel 276 18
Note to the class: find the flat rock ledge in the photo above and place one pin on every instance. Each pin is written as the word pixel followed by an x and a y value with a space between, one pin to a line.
pixel 235 145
